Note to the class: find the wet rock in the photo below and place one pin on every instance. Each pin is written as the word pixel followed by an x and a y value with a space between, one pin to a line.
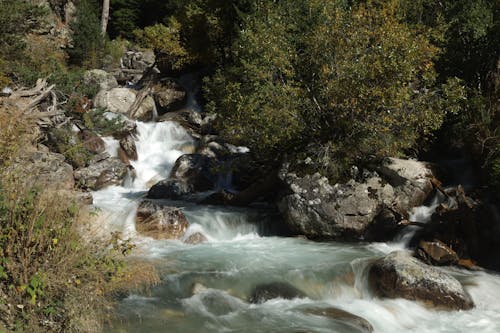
pixel 436 253
pixel 160 222
pixel 128 145
pixel 92 142
pixel 110 171
pixel 196 170
pixel 169 189
pixel 367 208
pixel 470 224
pixel 196 238
pixel 342 316
pixel 49 170
pixel 104 80
pixel 401 275
pixel 169 96
pixel 122 155
pixel 264 292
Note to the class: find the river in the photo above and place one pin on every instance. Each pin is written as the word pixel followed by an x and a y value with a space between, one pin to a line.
pixel 204 287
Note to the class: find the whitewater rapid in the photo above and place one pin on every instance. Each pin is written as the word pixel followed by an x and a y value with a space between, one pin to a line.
pixel 242 252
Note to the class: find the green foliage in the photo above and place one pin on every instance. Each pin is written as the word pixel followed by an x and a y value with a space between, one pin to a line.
pixel 355 77
pixel 87 39
pixel 66 142
pixel 166 43
pixel 95 120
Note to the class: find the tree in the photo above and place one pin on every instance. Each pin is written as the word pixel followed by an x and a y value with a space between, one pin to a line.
pixel 87 37
pixel 104 17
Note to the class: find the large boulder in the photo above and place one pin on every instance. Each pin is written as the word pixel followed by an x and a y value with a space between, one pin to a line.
pixel 366 208
pixel 399 275
pixel 110 171
pixel 266 291
pixel 129 102
pixel 160 222
pixel 169 189
pixel 197 170
pixel 187 118
pixel 169 96
pixel 103 79
pixel 117 100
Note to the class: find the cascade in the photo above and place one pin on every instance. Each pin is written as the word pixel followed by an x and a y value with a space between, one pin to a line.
pixel 205 287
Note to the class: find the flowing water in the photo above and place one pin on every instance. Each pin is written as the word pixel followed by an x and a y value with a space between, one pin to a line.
pixel 204 287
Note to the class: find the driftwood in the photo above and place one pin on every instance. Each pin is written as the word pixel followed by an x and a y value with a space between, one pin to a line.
pixel 29 101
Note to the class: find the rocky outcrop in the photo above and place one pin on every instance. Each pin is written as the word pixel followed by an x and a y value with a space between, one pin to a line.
pixel 160 222
pixel 343 317
pixel 169 96
pixel 109 171
pixel 169 189
pixel 264 292
pixel 103 79
pixel 366 208
pixel 401 275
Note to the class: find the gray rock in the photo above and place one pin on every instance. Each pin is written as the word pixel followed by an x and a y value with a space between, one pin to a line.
pixel 104 80
pixel 106 172
pixel 364 209
pixel 196 170
pixel 128 145
pixel 160 222
pixel 50 170
pixel 401 275
pixel 169 189
pixel 117 100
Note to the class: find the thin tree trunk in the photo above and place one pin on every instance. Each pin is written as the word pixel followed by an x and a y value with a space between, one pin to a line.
pixel 105 16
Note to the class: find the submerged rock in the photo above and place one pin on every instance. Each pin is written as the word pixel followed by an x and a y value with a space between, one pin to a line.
pixel 264 292
pixel 196 238
pixel 160 222
pixel 342 316
pixel 363 209
pixel 401 275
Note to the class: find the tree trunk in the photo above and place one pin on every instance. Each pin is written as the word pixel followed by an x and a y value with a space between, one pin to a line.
pixel 105 16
